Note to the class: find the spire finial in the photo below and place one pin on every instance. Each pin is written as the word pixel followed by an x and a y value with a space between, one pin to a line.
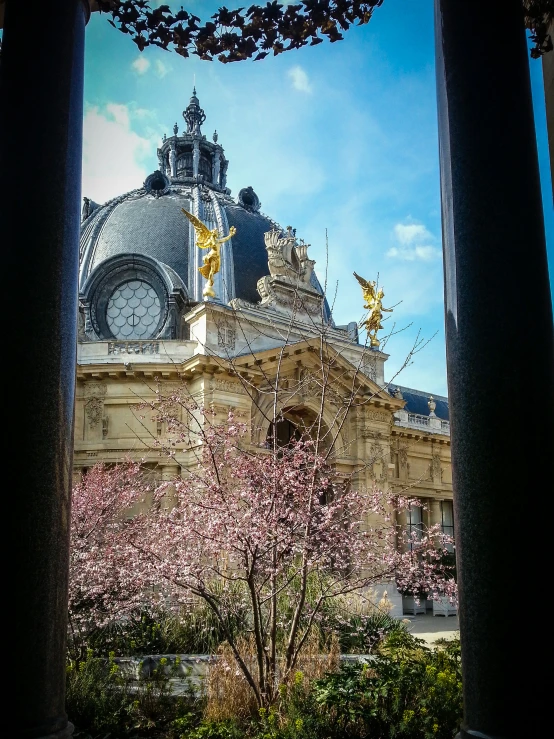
pixel 194 115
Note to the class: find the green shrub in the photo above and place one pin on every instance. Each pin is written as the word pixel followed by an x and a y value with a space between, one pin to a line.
pixel 407 691
pixel 161 631
pixel 361 633
pixel 102 700
pixel 226 729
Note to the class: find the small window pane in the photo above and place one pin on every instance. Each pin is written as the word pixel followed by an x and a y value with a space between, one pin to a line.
pixel 133 310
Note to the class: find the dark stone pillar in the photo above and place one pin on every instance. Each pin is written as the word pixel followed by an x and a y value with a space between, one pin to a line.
pixel 548 77
pixel 40 165
pixel 500 358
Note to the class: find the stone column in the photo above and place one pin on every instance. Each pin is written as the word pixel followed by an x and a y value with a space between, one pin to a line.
pixel 494 243
pixel 402 523
pixel 40 160
pixel 173 159
pixel 195 158
pixel 435 513
pixel 216 166
pixel 161 164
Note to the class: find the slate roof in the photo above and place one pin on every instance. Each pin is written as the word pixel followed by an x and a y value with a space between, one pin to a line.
pixel 139 223
pixel 146 225
pixel 416 401
pixel 249 253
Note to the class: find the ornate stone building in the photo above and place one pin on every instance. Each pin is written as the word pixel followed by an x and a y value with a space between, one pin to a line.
pixel 143 320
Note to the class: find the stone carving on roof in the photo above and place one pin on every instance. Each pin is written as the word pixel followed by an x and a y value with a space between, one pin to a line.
pixel 288 289
pixel 193 115
pixel 286 258
pixel 432 405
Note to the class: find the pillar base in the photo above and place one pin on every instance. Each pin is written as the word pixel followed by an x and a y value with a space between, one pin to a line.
pixel 65 733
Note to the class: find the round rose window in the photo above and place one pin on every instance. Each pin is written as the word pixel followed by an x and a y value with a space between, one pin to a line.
pixel 133 311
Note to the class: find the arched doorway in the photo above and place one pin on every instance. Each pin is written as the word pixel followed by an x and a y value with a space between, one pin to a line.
pixel 296 424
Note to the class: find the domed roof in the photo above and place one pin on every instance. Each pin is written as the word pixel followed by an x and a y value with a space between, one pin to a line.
pixel 148 222
pixel 141 222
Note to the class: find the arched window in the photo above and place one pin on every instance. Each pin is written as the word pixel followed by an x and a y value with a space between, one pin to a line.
pixel 282 432
pixel 297 424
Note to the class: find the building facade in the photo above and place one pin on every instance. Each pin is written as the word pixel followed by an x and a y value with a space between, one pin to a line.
pixel 144 324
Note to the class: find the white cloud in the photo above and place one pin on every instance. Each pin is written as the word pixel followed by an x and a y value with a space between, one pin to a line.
pixel 161 69
pixel 411 232
pixel 119 113
pixel 299 79
pixel 422 253
pixel 116 159
pixel 141 65
pixel 411 238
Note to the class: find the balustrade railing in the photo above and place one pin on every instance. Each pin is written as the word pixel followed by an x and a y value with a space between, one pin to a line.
pixel 417 420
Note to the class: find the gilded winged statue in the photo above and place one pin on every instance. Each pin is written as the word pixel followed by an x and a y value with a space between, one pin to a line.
pixel 373 303
pixel 208 239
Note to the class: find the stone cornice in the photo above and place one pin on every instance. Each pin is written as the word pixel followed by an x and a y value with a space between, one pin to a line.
pixel 417 435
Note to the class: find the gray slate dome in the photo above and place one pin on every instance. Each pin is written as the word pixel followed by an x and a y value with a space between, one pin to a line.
pixel 148 223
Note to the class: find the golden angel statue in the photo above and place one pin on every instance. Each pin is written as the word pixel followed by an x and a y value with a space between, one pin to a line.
pixel 208 239
pixel 373 303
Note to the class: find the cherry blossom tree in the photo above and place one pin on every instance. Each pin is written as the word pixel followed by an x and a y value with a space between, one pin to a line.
pixel 105 583
pixel 278 535
pixel 254 523
pixel 281 528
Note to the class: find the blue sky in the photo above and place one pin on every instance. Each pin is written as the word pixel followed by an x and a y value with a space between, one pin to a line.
pixel 340 137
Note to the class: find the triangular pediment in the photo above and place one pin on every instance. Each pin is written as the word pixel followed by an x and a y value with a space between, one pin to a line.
pixel 326 363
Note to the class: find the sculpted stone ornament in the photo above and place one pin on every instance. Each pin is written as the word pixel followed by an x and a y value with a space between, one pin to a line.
pixel 373 303
pixel 288 289
pixel 208 239
pixel 286 258
pixel 432 405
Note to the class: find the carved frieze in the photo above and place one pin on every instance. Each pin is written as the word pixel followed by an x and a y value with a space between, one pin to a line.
pixel 403 455
pixel 435 468
pixel 378 416
pixel 226 336
pixel 378 462
pixel 227 386
pixel 95 389
pixel 133 347
pixel 95 393
pixel 94 408
pixel 312 386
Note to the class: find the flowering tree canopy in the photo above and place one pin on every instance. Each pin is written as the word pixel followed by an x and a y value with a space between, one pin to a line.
pixel 275 533
pixel 256 31
pixel 104 582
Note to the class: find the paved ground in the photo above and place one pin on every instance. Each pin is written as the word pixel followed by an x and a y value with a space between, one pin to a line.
pixel 429 627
